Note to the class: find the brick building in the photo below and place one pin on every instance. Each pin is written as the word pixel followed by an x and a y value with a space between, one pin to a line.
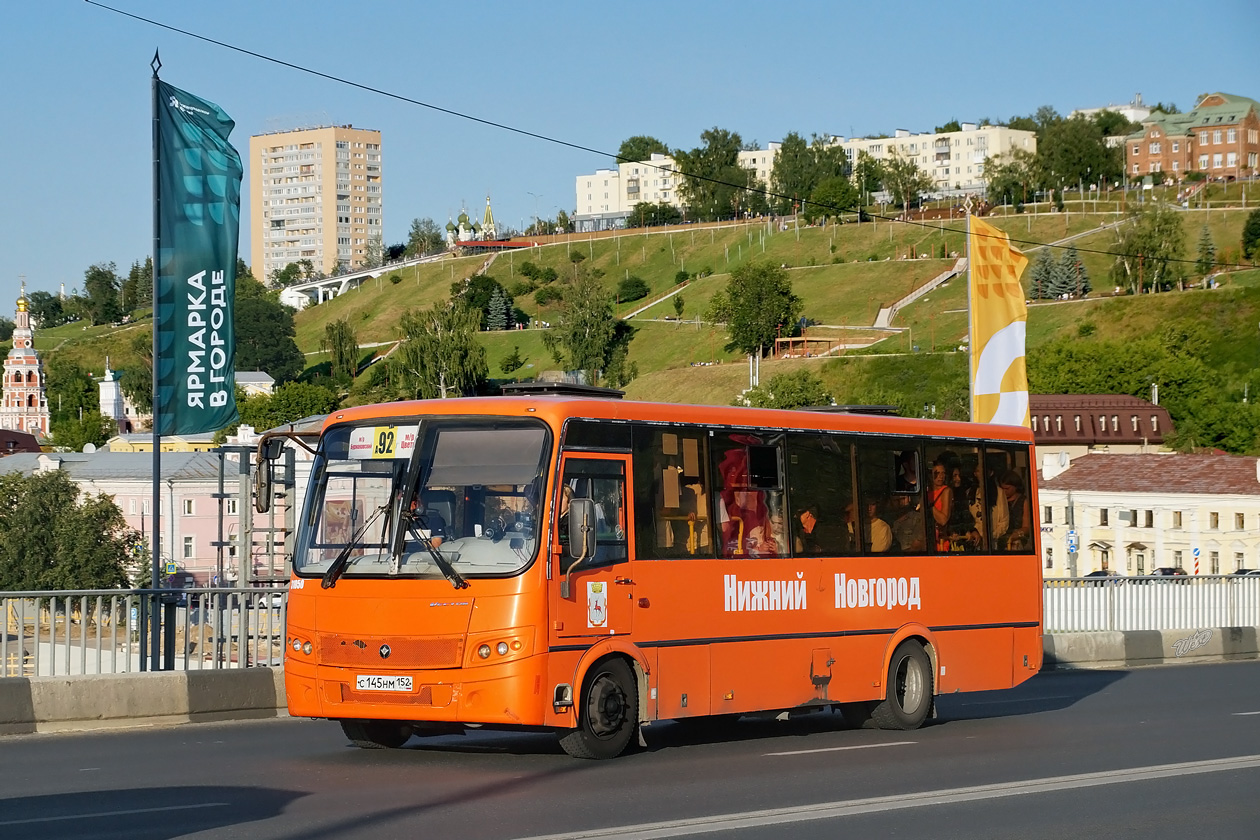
pixel 1220 138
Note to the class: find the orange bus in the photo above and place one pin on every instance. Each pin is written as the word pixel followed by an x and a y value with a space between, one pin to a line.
pixel 587 566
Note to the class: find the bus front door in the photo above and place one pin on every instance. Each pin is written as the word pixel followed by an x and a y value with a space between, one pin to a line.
pixel 600 592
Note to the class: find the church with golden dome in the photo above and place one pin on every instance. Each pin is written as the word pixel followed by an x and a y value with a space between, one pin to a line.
pixel 25 402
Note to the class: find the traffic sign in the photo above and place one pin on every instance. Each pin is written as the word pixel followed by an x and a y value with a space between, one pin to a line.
pixel 1196 554
pixel 1072 544
pixel 171 568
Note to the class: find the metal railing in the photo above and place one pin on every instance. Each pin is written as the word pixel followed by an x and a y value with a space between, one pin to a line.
pixel 1180 602
pixel 104 631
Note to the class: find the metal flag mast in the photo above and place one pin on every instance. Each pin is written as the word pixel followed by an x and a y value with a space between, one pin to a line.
pixel 154 582
pixel 971 337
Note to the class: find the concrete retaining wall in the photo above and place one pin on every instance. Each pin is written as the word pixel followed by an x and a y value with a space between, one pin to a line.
pixel 49 704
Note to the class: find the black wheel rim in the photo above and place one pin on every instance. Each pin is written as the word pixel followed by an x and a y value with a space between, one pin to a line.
pixel 607 707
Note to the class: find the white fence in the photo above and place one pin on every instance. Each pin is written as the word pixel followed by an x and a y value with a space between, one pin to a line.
pixel 1082 605
pixel 105 631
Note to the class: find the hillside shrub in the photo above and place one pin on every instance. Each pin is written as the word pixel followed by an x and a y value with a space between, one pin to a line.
pixel 632 288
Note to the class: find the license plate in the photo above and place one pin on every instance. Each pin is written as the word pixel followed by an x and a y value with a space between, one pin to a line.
pixel 369 682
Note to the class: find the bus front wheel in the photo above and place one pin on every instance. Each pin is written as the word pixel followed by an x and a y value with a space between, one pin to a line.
pixel 376 734
pixel 608 712
pixel 909 687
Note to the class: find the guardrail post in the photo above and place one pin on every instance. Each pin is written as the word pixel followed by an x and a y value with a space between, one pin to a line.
pixel 169 603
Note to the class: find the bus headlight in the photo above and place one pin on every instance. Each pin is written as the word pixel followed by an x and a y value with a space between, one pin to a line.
pixel 306 648
pixel 495 646
pixel 502 648
pixel 484 651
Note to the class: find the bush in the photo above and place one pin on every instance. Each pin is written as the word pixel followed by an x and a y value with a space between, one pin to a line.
pixel 632 288
pixel 395 279
pixel 548 294
pixel 681 277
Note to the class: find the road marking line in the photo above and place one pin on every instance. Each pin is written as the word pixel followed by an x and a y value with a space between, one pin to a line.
pixel 834 810
pixel 838 749
pixel 100 814
pixel 1244 714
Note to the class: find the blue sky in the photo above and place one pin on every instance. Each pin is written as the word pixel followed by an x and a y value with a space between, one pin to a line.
pixel 75 92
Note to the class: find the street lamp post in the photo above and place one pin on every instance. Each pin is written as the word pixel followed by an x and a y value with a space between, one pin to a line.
pixel 536 197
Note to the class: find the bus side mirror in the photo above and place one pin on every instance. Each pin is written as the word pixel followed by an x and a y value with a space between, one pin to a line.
pixel 262 486
pixel 272 448
pixel 581 537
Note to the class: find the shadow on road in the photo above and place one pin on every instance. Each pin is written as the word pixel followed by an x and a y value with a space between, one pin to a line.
pixel 139 813
pixel 1047 692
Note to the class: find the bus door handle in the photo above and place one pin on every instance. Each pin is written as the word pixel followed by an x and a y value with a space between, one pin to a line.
pixel 623 581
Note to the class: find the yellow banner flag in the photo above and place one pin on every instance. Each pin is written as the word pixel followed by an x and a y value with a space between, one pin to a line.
pixel 999 319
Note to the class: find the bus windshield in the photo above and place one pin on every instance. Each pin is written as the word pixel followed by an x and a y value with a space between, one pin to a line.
pixel 468 492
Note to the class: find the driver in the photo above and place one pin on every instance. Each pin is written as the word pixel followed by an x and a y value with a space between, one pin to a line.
pixel 428 520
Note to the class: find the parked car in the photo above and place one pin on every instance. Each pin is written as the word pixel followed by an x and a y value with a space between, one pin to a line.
pixel 1168 571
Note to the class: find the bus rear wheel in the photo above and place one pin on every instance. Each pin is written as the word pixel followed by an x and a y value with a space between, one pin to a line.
pixel 909 687
pixel 608 712
pixel 376 734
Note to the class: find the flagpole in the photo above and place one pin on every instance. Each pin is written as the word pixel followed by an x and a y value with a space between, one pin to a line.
pixel 971 324
pixel 154 582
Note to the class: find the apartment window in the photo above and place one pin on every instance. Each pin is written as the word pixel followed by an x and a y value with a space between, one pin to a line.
pixel 1078 422
pixel 1133 520
pixel 1115 423
pixel 1102 516
pixel 1141 564
pixel 1154 148
pixel 1238 522
pixel 1149 519
pixel 1047 515
pixel 144 507
pixel 1176 166
pixel 1203 161
pixel 1216 161
pixel 1214 520
pixel 1176 146
pixel 189 547
pixel 234 541
pixel 1136 150
pixel 1238 560
pixel 1176 519
pixel 1214 562
pixel 1135 425
pixel 1104 558
pixel 1154 423
pixel 230 507
pixel 1034 422
pixel 1136 170
pixel 1049 558
pixel 188 507
pixel 1230 136
pixel 1231 160
pixel 133 505
pixel 1177 559
pixel 1058 423
pixel 1216 137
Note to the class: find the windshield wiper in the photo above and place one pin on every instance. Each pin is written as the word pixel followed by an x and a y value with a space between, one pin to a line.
pixel 343 559
pixel 412 518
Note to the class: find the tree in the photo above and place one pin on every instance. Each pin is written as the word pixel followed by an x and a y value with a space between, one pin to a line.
pixel 374 252
pixel 868 174
pixel 265 332
pixel 679 303
pixel 831 197
pixel 1073 278
pixel 757 307
pixel 1009 178
pixel 499 311
pixel 1071 152
pixel 71 434
pixel 1114 124
pixel 439 355
pixel 478 293
pixel 6 329
pixel 512 361
pixel 647 214
pixel 70 389
pixel 424 237
pixel 1041 275
pixel 137 380
pixel 952 125
pixel 137 290
pixel 1045 117
pixel 53 537
pixel 1251 235
pixel 1148 250
pixel 342 345
pixel 632 288
pixel 713 183
pixel 905 180
pixel 1168 108
pixel 1207 253
pixel 287 276
pixel 639 148
pixel 797 389
pixel 288 403
pixel 791 178
pixel 588 336
pixel 45 309
pixel 101 286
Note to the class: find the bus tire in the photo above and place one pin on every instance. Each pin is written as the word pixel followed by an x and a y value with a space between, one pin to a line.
pixel 376 734
pixel 608 712
pixel 909 689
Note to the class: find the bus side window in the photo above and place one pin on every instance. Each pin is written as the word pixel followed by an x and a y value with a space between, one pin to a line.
pixel 890 492
pixel 820 480
pixel 1011 520
pixel 672 493
pixel 604 483
pixel 749 493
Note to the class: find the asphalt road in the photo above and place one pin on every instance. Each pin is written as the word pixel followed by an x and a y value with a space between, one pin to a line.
pixel 1155 753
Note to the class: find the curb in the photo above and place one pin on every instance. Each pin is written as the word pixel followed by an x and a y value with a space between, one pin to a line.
pixel 1132 648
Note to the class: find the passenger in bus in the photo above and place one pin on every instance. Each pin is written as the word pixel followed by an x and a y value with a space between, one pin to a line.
pixel 941 497
pixel 907 527
pixel 807 533
pixel 1013 498
pixel 879 536
pixel 908 471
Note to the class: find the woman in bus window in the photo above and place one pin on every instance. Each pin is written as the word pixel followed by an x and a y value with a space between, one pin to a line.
pixel 941 498
pixel 1013 496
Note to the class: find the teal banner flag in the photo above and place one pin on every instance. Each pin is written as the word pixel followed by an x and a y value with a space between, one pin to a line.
pixel 194 284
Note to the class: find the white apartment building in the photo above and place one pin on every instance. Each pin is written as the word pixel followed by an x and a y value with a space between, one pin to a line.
pixel 1133 514
pixel 955 159
pixel 315 194
pixel 1135 112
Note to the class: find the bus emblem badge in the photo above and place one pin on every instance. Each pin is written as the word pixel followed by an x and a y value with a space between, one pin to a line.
pixel 596 604
pixel 384 651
